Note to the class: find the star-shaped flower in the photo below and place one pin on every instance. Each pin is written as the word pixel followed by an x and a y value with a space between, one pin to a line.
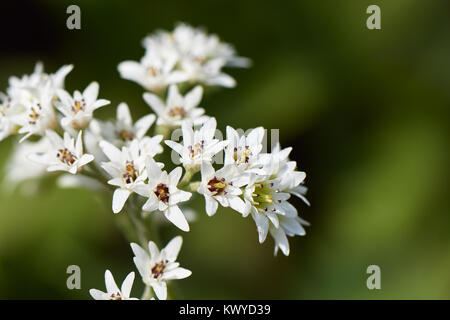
pixel 127 170
pixel 78 109
pixel 163 194
pixel 177 109
pixel 158 267
pixel 222 186
pixel 112 290
pixel 198 146
pixel 64 155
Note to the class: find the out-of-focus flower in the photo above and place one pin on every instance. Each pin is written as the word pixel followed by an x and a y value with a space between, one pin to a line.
pixel 177 108
pixel 20 168
pixel 112 290
pixel 185 55
pixel 158 267
pixel 155 71
pixel 39 115
pixel 64 155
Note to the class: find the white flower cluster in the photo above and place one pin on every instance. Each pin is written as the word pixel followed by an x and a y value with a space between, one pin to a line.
pixel 184 55
pixel 122 157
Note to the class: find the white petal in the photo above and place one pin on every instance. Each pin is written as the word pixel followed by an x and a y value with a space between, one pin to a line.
pixel 111 151
pixel 153 249
pixel 98 295
pixel 127 285
pixel 91 93
pixel 193 98
pixel 262 224
pixel 155 103
pixel 236 203
pixel 211 205
pixel 152 203
pixel 178 273
pixel 119 198
pixel 111 285
pixel 207 171
pixel 142 125
pixel 124 115
pixel 160 289
pixel 178 148
pixel 173 248
pixel 175 175
pixel 176 216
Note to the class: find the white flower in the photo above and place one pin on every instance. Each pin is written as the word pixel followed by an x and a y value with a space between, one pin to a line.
pixel 203 56
pixel 122 131
pixel 40 115
pixel 78 110
pixel 222 186
pixel 112 290
pixel 158 267
pixel 151 146
pixel 163 194
pixel 29 87
pixel 127 169
pixel 198 146
pixel 8 112
pixel 20 168
pixel 65 155
pixel 155 71
pixel 267 195
pixel 126 130
pixel 177 109
pixel 243 151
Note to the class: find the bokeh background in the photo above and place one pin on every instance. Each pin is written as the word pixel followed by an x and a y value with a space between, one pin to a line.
pixel 367 113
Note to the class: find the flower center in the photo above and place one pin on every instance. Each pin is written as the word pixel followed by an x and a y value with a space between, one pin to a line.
pixel 162 192
pixel 34 114
pixel 153 71
pixel 158 269
pixel 115 296
pixel 130 172
pixel 66 157
pixel 177 112
pixel 262 196
pixel 217 186
pixel 126 135
pixel 242 156
pixel 79 106
pixel 196 149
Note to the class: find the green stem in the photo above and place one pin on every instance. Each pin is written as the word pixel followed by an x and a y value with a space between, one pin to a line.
pixel 147 294
pixel 186 178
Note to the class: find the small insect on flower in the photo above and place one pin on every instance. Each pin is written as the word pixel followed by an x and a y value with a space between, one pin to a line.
pixel 158 267
pixel 64 155
pixel 112 290
pixel 163 194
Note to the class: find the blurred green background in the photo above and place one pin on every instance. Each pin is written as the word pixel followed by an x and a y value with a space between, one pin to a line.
pixel 367 113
